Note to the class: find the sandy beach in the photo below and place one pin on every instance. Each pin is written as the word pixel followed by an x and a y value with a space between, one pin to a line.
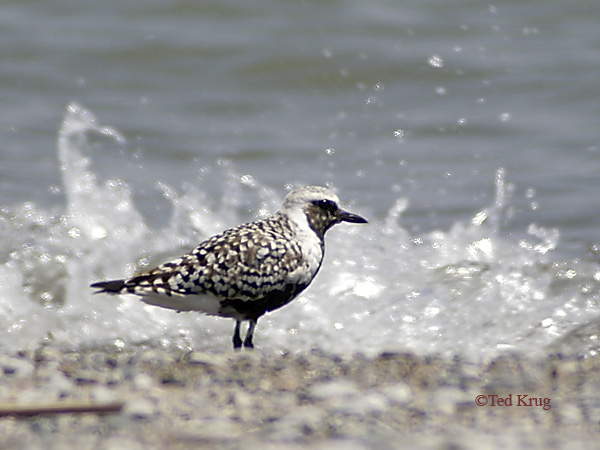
pixel 156 398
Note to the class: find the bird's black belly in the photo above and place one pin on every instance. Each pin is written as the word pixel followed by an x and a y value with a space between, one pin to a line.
pixel 253 309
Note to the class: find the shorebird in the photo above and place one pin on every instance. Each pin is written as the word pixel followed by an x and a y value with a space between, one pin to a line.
pixel 247 270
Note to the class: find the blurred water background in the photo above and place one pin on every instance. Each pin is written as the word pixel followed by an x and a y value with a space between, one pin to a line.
pixel 467 132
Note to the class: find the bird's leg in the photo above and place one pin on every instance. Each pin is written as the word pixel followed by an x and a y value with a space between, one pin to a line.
pixel 250 333
pixel 237 340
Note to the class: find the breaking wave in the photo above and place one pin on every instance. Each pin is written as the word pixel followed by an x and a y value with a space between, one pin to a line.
pixel 471 289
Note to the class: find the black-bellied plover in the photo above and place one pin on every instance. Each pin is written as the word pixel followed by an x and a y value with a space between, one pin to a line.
pixel 247 270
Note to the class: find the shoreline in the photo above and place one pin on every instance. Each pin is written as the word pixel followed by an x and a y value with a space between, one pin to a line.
pixel 155 398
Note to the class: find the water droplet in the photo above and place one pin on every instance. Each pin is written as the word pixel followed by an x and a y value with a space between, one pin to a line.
pixel 223 163
pixel 379 87
pixel 528 30
pixel 47 298
pixel 98 232
pixel 436 61
pixel 462 121
pixel 74 232
pixel 399 133
pixel 431 311
pixel 248 180
pixel 371 100
pixel 55 189
pixel 440 90
pixel 329 151
pixel 479 218
pixel 505 117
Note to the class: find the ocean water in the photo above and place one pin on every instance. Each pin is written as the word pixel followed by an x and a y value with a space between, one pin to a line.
pixel 465 132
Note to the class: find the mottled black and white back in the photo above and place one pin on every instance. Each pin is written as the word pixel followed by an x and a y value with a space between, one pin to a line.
pixel 247 270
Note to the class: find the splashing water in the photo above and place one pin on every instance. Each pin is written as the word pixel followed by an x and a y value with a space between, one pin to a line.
pixel 470 289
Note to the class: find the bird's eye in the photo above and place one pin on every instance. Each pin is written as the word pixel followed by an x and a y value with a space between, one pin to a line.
pixel 326 205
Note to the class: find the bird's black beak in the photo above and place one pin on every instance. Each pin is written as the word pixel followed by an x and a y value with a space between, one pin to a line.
pixel 345 216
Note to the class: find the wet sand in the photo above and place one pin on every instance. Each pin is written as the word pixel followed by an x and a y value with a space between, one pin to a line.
pixel 156 398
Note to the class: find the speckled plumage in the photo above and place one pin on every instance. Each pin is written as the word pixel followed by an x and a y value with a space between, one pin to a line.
pixel 247 270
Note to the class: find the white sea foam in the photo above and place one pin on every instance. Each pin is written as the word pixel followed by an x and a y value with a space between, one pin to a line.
pixel 471 289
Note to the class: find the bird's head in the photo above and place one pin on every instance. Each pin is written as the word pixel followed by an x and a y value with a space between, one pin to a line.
pixel 320 206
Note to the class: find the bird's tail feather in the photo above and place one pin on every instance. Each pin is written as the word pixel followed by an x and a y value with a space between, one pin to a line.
pixel 110 287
